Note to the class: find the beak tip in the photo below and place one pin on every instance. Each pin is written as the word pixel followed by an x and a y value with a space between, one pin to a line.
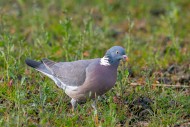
pixel 125 58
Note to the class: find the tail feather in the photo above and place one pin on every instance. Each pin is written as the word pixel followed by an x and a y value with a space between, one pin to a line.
pixel 33 63
pixel 38 66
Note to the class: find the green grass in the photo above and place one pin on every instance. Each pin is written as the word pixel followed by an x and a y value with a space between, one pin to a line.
pixel 155 35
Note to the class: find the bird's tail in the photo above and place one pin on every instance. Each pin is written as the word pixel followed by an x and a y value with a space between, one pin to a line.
pixel 32 63
pixel 39 66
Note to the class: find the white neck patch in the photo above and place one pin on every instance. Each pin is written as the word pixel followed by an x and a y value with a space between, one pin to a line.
pixel 104 61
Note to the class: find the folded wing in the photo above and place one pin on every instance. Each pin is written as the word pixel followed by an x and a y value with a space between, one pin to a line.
pixel 67 75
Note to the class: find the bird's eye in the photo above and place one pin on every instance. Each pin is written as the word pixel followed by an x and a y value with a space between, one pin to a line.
pixel 117 52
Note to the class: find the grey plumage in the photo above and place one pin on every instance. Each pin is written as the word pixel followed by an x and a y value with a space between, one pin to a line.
pixel 83 79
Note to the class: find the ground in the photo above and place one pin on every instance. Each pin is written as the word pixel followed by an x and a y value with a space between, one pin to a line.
pixel 152 89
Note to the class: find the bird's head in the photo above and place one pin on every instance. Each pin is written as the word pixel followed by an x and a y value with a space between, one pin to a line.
pixel 114 55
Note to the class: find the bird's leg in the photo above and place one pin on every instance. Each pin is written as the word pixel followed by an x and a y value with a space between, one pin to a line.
pixel 74 104
pixel 95 111
pixel 94 107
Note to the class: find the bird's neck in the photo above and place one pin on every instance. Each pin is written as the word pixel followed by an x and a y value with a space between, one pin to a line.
pixel 106 61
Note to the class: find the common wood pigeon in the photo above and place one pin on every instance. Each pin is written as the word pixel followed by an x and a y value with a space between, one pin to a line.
pixel 83 79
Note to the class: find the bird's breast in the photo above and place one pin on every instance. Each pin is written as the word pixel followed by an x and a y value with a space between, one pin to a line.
pixel 102 79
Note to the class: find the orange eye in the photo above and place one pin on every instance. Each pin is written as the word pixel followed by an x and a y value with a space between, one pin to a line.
pixel 117 52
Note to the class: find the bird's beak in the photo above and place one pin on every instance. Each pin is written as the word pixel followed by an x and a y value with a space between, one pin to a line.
pixel 125 58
